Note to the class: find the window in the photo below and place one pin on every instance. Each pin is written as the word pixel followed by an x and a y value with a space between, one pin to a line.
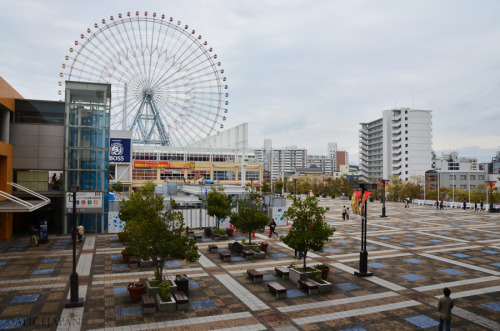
pixel 472 186
pixel 224 175
pixel 172 175
pixel 406 125
pixel 481 177
pixel 406 145
pixel 472 177
pixel 463 177
pixel 406 118
pixel 463 186
pixel 250 175
pixel 144 174
pixel 453 177
pixel 406 138
pixel 406 132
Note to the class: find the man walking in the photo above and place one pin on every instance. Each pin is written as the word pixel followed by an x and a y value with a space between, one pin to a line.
pixel 81 232
pixel 272 226
pixel 343 213
pixel 445 305
pixel 32 232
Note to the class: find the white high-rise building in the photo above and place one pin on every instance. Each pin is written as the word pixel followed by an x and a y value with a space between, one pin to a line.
pixel 399 143
pixel 282 160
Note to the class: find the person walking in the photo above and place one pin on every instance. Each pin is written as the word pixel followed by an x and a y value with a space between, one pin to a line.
pixel 343 213
pixel 445 305
pixel 81 232
pixel 272 226
pixel 481 206
pixel 32 232
pixel 437 204
pixel 464 205
pixel 347 214
pixel 441 205
pixel 475 206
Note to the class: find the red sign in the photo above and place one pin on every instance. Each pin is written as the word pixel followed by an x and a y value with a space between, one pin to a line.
pixel 163 164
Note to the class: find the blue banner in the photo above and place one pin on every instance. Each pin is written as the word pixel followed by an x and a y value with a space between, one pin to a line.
pixel 43 230
pixel 119 150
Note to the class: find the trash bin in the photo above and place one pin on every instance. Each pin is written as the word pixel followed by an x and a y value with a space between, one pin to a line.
pixel 182 283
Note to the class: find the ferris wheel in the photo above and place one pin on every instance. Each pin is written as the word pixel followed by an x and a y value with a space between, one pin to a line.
pixel 167 85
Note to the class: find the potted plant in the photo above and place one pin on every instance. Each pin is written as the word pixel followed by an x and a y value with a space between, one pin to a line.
pixel 135 291
pixel 324 268
pixel 263 246
pixel 126 254
pixel 122 236
pixel 153 285
pixel 323 285
pixel 222 234
pixel 230 231
pixel 257 253
pixel 164 300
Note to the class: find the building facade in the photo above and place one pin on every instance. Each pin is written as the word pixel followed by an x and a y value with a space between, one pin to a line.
pixel 279 161
pixel 400 143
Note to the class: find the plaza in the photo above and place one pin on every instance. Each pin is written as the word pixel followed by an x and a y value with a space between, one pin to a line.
pixel 413 253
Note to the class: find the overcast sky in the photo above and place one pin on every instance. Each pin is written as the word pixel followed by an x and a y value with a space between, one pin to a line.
pixel 305 73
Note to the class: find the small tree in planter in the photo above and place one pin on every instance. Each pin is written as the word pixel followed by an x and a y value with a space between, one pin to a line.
pixel 154 233
pixel 249 216
pixel 218 204
pixel 309 229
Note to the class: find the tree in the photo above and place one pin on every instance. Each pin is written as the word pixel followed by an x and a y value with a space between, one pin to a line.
pixel 309 229
pixel 266 187
pixel 249 216
pixel 154 233
pixel 218 204
pixel 278 186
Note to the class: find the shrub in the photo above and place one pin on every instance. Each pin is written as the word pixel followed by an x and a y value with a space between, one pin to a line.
pixel 165 290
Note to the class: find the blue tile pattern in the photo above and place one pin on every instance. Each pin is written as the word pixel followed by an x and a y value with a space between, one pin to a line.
pixel 383 238
pixel 239 238
pixel 120 290
pixel 489 252
pixel 410 235
pixel 436 241
pixel 3 262
pixel 202 304
pixel 172 264
pixel 423 321
pixel 414 260
pixel 12 323
pixel 412 277
pixel 493 305
pixel 116 244
pixel 452 271
pixel 59 247
pixel 354 329
pixel 269 278
pixel 50 260
pixel 279 255
pixel 495 264
pixel 62 241
pixel 207 239
pixel 193 284
pixel 460 255
pixel 43 271
pixel 331 250
pixel 377 265
pixel 25 298
pixel 294 293
pixel 408 243
pixel 347 286
pixel 237 258
pixel 116 257
pixel 349 230
pixel 129 311
pixel 120 267
pixel 343 241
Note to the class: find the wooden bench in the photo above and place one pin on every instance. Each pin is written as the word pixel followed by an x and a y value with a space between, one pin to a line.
pixel 148 304
pixel 226 257
pixel 255 275
pixel 247 254
pixel 312 287
pixel 283 272
pixel 181 299
pixel 133 262
pixel 212 248
pixel 277 289
pixel 216 236
pixel 191 234
pixel 198 237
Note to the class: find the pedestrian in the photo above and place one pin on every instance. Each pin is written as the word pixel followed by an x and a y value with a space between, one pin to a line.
pixel 406 203
pixel 32 232
pixel 437 204
pixel 343 213
pixel 347 214
pixel 81 232
pixel 445 305
pixel 441 205
pixel 272 226
pixel 475 206
pixel 481 206
pixel 464 205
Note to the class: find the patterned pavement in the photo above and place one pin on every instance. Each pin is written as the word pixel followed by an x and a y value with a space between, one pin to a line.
pixel 413 254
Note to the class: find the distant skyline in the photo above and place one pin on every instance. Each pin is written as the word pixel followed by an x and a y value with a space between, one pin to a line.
pixel 305 73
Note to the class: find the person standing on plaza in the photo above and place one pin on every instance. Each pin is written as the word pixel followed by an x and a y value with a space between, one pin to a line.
pixel 343 213
pixel 445 305
pixel 481 206
pixel 464 205
pixel 475 206
pixel 272 226
pixel 32 232
pixel 437 204
pixel 441 205
pixel 81 232
pixel 347 214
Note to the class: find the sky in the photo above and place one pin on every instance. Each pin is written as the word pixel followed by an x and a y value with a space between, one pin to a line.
pixel 305 73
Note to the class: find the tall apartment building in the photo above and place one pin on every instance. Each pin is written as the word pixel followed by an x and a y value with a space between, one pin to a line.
pixel 342 159
pixel 279 161
pixel 399 143
pixel 323 162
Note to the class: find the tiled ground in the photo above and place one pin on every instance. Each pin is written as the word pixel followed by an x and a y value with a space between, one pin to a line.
pixel 413 254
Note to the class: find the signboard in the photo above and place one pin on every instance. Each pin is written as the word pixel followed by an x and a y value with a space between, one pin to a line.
pixel 163 164
pixel 84 201
pixel 119 150
pixel 43 228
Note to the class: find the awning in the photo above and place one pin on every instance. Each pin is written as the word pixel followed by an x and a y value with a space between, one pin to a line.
pixel 13 204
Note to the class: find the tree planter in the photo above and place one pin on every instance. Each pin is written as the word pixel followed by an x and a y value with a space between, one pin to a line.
pixel 259 255
pixel 324 287
pixel 295 275
pixel 230 231
pixel 135 291
pixel 324 273
pixel 146 263
pixel 153 289
pixel 125 256
pixel 165 305
pixel 223 237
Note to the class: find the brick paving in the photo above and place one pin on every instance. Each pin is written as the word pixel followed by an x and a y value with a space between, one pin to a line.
pixel 413 254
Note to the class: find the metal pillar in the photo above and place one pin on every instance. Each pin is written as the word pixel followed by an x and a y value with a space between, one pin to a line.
pixel 363 254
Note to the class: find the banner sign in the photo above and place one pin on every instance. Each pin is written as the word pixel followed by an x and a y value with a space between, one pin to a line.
pixel 119 150
pixel 85 200
pixel 43 228
pixel 163 164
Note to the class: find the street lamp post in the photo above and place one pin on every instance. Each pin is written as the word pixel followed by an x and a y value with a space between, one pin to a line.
pixel 363 254
pixel 383 182
pixel 295 186
pixel 74 300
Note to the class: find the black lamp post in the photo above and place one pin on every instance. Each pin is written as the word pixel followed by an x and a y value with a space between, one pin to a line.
pixel 295 186
pixel 74 300
pixel 383 182
pixel 363 254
